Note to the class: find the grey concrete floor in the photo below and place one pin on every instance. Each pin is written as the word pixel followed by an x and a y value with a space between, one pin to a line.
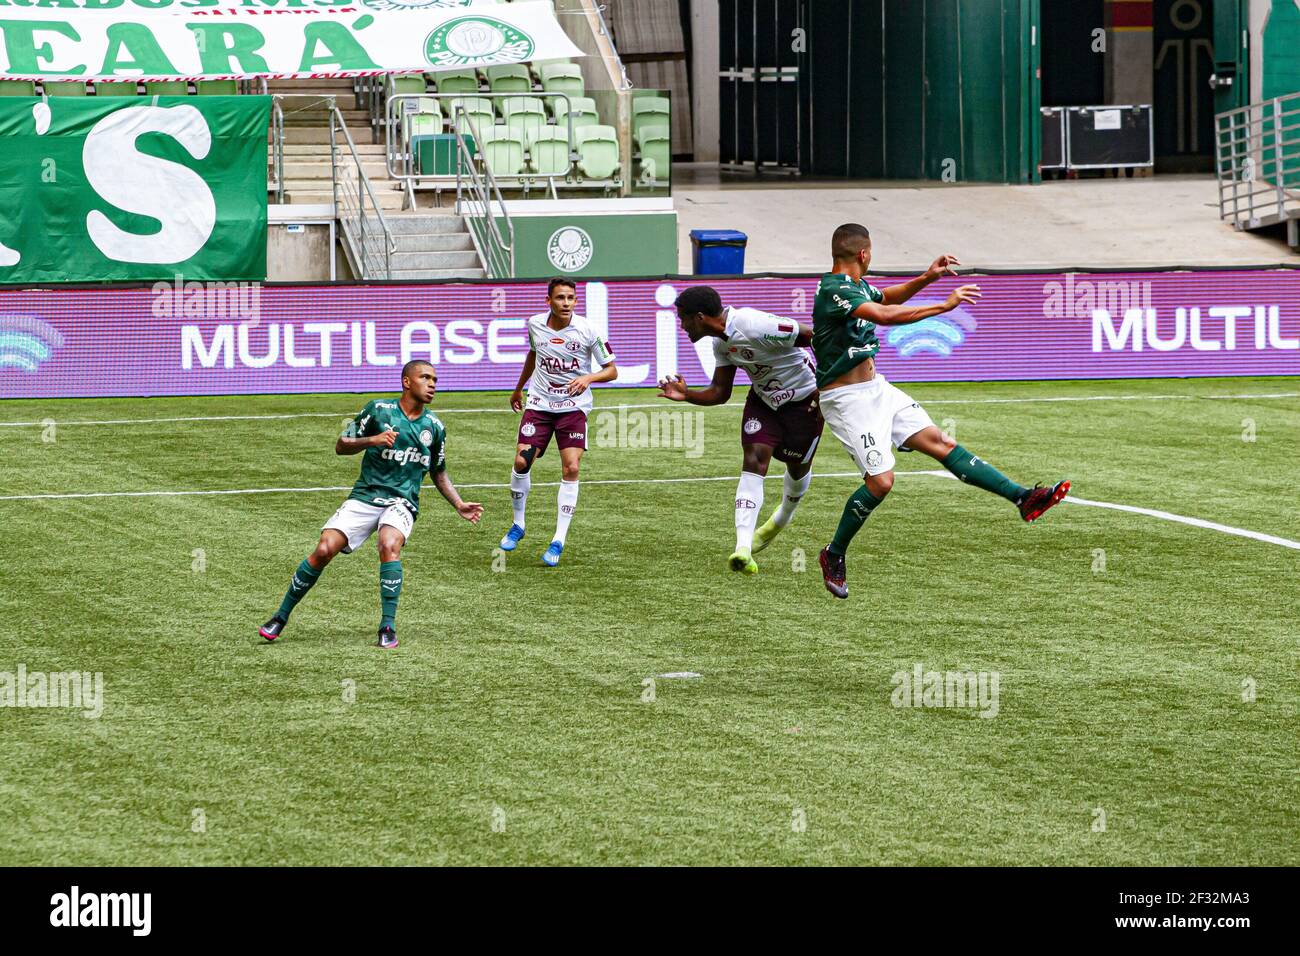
pixel 1108 223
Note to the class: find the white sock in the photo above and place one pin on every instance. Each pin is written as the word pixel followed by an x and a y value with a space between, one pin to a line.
pixel 749 501
pixel 568 504
pixel 795 488
pixel 519 485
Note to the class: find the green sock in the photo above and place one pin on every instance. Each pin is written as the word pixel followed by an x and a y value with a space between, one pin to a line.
pixel 978 472
pixel 390 586
pixel 302 581
pixel 860 504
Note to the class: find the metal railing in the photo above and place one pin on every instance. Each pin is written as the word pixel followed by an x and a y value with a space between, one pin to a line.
pixel 277 147
pixel 1258 152
pixel 479 202
pixel 366 234
pixel 402 162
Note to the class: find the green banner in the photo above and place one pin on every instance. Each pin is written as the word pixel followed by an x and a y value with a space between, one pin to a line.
pixel 133 188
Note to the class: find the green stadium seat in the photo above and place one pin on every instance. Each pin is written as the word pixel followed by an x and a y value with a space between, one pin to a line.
pixel 581 115
pixel 548 152
pixel 17 88
pixel 563 78
pixel 408 84
pixel 127 88
pixel 656 146
pixel 478 107
pixel 520 104
pixel 502 150
pixel 598 146
pixel 538 65
pixel 650 111
pixel 64 87
pixel 509 79
pixel 217 87
pixel 167 88
pixel 455 81
pixel 524 116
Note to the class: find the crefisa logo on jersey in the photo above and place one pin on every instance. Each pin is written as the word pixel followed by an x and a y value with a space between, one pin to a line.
pixel 752 426
pixel 570 249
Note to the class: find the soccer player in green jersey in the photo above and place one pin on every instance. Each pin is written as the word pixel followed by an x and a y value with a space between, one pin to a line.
pixel 868 414
pixel 402 441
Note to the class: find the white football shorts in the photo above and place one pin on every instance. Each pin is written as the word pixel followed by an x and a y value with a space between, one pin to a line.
pixel 870 416
pixel 358 521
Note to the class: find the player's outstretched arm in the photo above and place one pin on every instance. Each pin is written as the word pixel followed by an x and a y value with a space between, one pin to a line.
pixel 906 314
pixel 471 511
pixel 944 266
pixel 718 392
pixel 517 396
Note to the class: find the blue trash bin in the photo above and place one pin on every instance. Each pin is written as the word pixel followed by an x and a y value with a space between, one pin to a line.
pixel 718 252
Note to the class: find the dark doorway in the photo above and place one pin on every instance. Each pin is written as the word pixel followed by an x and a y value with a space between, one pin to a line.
pixel 1074 69
pixel 1184 100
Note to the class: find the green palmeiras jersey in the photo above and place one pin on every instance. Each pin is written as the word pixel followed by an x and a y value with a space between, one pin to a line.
pixel 840 341
pixel 393 475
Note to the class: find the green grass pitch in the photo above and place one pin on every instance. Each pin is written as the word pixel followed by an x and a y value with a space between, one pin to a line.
pixel 510 726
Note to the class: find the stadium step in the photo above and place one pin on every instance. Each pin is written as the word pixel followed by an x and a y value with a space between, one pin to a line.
pixel 297 168
pixel 317 191
pixel 296 151
pixel 439 274
pixel 436 261
pixel 303 135
pixel 435 242
pixel 427 224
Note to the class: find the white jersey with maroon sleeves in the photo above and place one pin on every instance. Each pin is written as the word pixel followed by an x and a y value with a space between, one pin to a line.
pixel 763 345
pixel 563 355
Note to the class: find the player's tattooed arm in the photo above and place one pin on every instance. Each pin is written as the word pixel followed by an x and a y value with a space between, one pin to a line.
pixel 941 268
pixel 718 392
pixel 906 314
pixel 471 511
pixel 517 396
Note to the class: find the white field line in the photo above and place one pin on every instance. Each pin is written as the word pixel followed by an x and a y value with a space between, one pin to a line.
pixel 660 404
pixel 1148 512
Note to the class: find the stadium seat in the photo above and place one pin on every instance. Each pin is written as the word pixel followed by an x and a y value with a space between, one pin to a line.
pixel 455 81
pixel 217 87
pixel 650 111
pixel 579 119
pixel 655 144
pixel 478 107
pixel 525 116
pixel 509 79
pixel 17 88
pixel 116 89
pixel 167 88
pixel 563 78
pixel 548 152
pixel 408 84
pixel 502 150
pixel 538 65
pixel 423 117
pixel 598 146
pixel 64 87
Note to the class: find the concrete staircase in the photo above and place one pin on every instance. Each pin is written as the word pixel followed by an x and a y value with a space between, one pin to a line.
pixel 433 246
pixel 430 245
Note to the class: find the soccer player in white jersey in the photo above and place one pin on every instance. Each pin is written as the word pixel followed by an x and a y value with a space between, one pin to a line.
pixel 563 348
pixel 782 415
